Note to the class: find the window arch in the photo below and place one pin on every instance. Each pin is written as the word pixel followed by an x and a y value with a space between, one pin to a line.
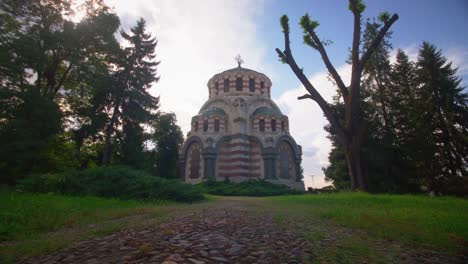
pixel 194 152
pixel 205 125
pixel 226 85
pixel 283 127
pixel 262 125
pixel 262 87
pixel 273 125
pixel 216 125
pixel 196 126
pixel 252 85
pixel 286 161
pixel 216 88
pixel 239 84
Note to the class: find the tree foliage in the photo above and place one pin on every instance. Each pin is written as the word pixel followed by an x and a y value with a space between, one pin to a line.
pixel 71 96
pixel 417 124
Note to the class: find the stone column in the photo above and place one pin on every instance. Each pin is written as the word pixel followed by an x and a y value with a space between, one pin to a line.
pixel 298 169
pixel 209 159
pixel 270 155
pixel 299 175
pixel 182 167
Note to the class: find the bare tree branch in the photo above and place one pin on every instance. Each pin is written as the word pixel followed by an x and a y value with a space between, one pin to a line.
pixel 287 57
pixel 62 79
pixel 305 96
pixel 375 43
pixel 321 49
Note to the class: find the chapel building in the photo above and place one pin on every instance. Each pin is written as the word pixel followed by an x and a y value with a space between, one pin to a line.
pixel 240 134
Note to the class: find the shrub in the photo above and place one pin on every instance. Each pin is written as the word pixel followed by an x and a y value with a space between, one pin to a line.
pixel 246 188
pixel 113 182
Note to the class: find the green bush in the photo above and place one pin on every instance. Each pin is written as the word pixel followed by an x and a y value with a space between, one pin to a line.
pixel 113 182
pixel 246 188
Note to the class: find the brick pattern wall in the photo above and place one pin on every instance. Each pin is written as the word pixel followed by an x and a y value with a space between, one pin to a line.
pixel 197 125
pixel 239 158
pixel 216 85
pixel 256 123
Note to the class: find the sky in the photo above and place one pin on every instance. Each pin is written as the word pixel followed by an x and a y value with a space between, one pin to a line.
pixel 197 39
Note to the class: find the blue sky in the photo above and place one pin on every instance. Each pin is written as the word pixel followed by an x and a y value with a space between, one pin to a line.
pixel 443 23
pixel 198 39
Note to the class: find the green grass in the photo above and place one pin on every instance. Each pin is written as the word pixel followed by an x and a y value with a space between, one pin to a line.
pixel 32 224
pixel 440 222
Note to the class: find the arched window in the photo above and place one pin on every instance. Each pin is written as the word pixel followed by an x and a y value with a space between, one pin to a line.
pixel 273 125
pixel 226 85
pixel 262 87
pixel 252 85
pixel 216 88
pixel 195 161
pixel 283 128
pixel 216 125
pixel 196 126
pixel 262 125
pixel 239 84
pixel 205 125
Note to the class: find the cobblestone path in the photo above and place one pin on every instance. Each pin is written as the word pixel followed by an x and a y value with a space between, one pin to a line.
pixel 222 234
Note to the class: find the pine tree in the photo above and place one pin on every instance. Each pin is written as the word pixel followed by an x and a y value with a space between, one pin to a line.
pixel 443 111
pixel 132 103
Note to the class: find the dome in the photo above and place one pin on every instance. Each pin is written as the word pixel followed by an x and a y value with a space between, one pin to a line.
pixel 266 111
pixel 213 111
pixel 240 71
pixel 239 81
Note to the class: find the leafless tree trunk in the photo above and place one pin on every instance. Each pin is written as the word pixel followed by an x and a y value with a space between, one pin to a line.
pixel 351 135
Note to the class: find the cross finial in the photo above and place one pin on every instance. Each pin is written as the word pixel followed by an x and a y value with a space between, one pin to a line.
pixel 239 60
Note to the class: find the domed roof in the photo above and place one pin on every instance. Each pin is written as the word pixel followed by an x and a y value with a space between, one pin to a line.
pixel 240 71
pixel 266 111
pixel 213 111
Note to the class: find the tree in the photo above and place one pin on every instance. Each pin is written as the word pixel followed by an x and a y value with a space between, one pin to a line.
pixel 351 133
pixel 443 112
pixel 167 139
pixel 42 52
pixel 132 104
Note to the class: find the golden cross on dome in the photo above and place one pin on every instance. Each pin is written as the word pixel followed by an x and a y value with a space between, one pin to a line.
pixel 239 60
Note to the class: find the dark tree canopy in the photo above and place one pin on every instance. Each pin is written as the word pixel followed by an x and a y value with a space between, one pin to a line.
pixel 71 97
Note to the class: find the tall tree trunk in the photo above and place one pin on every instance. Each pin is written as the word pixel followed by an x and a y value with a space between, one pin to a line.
pixel 353 159
pixel 108 142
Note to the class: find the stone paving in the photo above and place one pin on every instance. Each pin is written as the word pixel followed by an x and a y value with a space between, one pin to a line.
pixel 214 235
pixel 229 231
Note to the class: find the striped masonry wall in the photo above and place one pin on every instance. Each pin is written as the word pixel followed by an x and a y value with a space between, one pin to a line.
pixel 239 158
pixel 218 89
pixel 256 123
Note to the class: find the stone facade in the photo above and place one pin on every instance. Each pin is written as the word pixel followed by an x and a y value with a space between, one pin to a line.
pixel 241 134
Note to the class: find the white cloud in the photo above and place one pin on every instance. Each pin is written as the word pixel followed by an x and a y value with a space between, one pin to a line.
pixel 196 40
pixel 459 58
pixel 307 122
pixel 410 50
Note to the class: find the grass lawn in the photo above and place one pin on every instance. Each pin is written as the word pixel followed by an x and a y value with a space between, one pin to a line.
pixel 343 227
pixel 32 224
pixel 439 223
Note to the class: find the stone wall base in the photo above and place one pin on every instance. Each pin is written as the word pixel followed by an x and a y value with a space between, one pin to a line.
pixel 291 184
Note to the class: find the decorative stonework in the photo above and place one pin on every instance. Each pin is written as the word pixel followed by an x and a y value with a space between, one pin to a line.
pixel 241 134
